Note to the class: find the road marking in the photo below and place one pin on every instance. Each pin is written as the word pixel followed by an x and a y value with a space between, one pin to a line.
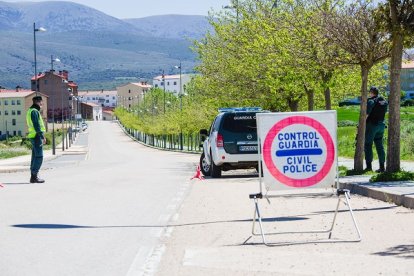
pixel 137 265
pixel 151 264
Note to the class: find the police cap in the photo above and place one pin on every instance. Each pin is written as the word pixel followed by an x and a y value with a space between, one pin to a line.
pixel 374 90
pixel 37 99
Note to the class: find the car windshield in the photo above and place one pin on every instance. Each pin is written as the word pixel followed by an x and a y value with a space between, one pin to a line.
pixel 239 122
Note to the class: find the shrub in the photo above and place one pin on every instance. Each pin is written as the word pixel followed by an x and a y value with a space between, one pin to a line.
pixel 346 123
pixel 397 176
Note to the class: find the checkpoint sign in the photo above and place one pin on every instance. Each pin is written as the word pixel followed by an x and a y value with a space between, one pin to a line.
pixel 298 149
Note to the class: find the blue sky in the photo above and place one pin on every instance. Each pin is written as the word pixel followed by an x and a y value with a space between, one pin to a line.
pixel 141 8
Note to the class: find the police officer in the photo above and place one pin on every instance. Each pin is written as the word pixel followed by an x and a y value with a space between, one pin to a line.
pixel 36 129
pixel 374 132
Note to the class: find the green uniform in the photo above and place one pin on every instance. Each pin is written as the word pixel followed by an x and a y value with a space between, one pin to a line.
pixel 36 129
pixel 374 132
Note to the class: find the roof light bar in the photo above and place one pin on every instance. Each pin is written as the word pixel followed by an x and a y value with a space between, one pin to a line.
pixel 235 109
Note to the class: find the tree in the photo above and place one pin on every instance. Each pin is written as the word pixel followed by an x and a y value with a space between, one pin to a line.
pixel 355 31
pixel 398 19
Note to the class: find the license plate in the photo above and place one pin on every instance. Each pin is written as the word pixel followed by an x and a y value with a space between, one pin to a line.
pixel 248 148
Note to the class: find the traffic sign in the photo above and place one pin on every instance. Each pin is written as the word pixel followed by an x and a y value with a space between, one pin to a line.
pixel 298 149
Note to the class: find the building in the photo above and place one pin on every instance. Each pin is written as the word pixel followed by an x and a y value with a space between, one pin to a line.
pixel 132 93
pixel 407 78
pixel 108 114
pixel 91 111
pixel 172 82
pixel 59 90
pixel 101 97
pixel 13 107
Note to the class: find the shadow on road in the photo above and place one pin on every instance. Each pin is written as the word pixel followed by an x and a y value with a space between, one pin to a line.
pixel 69 226
pixel 22 183
pixel 401 251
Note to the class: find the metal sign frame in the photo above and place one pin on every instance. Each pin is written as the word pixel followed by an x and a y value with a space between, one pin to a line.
pixel 340 193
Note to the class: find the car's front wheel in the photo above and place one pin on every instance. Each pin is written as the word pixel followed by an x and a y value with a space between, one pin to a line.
pixel 204 166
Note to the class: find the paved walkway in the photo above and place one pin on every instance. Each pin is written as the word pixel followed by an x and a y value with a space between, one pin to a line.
pixel 400 193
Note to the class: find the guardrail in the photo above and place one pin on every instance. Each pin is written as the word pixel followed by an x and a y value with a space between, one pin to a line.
pixel 176 142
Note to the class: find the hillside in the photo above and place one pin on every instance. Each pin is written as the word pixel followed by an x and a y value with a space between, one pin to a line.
pixel 95 48
pixel 173 26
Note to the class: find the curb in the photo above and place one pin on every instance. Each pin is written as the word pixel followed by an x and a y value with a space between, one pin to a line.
pixel 401 199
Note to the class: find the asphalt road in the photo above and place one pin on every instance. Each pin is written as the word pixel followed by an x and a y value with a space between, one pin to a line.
pixel 103 213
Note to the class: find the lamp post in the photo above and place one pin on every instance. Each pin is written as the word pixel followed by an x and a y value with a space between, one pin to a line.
pixel 53 109
pixel 235 6
pixel 163 81
pixel 180 95
pixel 35 30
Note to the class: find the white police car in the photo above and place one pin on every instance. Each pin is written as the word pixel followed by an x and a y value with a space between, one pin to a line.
pixel 231 142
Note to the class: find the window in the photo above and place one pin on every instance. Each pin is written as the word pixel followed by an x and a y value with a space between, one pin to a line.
pixel 93 98
pixel 107 96
pixel 14 133
pixel 129 91
pixel 45 82
pixel 13 112
pixel 0 112
pixel 13 102
pixel 88 98
pixel 6 112
pixel 162 83
pixel 168 83
pixel 113 98
pixel 18 102
pixel 107 101
pixel 175 83
pixel 14 123
pixel 6 102
pixel 19 132
pixel 18 112
pixel 156 85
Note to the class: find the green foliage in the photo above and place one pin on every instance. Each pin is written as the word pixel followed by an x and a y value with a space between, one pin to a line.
pixel 396 176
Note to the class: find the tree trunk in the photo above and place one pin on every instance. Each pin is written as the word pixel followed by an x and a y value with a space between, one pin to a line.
pixel 393 150
pixel 327 94
pixel 326 77
pixel 311 98
pixel 293 104
pixel 359 149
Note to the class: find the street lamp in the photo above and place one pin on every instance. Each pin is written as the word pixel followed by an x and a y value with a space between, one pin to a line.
pixel 181 105
pixel 53 109
pixel 236 7
pixel 34 47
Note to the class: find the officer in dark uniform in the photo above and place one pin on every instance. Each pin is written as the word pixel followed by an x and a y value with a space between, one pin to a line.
pixel 374 132
pixel 36 128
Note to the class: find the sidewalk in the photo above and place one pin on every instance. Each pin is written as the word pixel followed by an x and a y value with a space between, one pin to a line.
pixel 399 193
pixel 22 163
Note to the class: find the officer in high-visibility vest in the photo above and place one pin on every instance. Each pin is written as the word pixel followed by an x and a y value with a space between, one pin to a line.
pixel 374 132
pixel 36 129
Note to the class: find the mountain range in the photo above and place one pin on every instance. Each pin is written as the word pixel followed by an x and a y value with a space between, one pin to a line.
pixel 98 50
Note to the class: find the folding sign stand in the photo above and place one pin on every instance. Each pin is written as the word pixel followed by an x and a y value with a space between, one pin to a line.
pixel 342 194
pixel 258 218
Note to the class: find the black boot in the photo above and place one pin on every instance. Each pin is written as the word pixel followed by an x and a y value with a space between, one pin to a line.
pixel 381 169
pixel 35 179
pixel 369 167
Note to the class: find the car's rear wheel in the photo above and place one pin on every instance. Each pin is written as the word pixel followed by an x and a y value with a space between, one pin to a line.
pixel 204 166
pixel 215 170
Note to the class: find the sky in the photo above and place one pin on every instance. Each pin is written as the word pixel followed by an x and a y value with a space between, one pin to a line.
pixel 142 8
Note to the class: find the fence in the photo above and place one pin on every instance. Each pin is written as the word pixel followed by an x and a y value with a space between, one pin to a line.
pixel 178 142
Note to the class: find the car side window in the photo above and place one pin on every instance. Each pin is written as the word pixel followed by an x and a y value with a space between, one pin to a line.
pixel 216 123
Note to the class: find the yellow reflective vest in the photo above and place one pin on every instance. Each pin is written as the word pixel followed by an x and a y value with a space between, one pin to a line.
pixel 32 131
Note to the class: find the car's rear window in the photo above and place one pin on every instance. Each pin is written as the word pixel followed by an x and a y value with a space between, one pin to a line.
pixel 239 122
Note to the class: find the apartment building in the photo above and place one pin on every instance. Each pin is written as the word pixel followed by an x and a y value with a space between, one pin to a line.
pixel 59 89
pixel 101 97
pixel 13 107
pixel 172 83
pixel 132 93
